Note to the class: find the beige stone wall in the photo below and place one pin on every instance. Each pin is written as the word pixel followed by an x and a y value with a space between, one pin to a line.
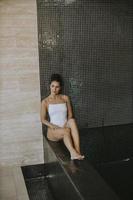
pixel 20 127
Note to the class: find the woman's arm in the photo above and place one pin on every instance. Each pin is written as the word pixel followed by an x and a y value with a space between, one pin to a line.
pixel 43 115
pixel 69 107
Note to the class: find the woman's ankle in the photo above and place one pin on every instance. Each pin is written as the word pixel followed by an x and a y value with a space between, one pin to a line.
pixel 78 150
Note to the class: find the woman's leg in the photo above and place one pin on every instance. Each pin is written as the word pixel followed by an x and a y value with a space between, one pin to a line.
pixel 67 139
pixel 75 134
pixel 65 134
pixel 68 143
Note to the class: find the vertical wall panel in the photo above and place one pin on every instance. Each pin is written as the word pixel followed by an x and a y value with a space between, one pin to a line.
pixel 21 140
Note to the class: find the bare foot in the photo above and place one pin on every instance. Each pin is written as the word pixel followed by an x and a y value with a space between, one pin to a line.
pixel 77 156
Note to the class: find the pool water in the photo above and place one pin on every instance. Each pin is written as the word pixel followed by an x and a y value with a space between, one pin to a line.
pixel 110 151
pixel 119 175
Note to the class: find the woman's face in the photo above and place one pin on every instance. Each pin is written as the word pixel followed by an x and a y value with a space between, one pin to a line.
pixel 55 87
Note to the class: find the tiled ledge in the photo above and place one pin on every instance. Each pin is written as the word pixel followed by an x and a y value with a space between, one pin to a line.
pixel 83 177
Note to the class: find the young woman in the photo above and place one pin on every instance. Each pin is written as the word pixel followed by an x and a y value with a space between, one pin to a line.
pixel 62 125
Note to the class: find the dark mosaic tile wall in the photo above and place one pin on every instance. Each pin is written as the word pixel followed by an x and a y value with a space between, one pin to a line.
pixel 89 42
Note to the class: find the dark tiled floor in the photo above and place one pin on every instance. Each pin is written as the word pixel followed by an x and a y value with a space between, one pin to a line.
pixel 48 182
pixel 38 189
pixel 76 181
pixel 36 182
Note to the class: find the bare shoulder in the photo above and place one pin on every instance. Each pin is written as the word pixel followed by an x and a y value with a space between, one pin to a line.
pixel 45 101
pixel 66 98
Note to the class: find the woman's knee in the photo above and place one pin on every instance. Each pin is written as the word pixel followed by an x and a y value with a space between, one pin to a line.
pixel 67 131
pixel 71 121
